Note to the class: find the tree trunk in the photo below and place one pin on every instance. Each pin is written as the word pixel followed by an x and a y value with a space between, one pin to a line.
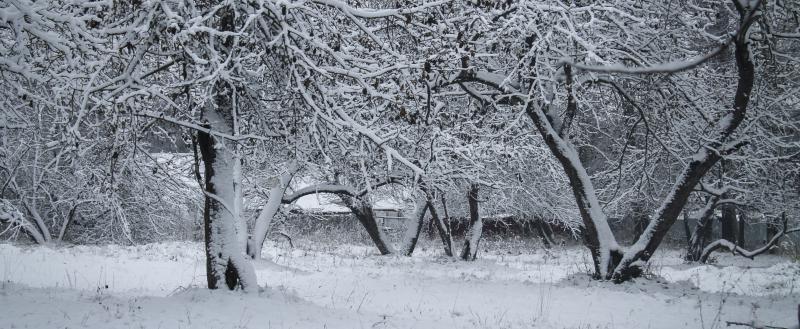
pixel 545 232
pixel 610 260
pixel 13 217
pixel 728 223
pixel 414 227
pixel 702 232
pixel 740 238
pixel 686 230
pixel 225 259
pixel 366 216
pixel 597 234
pixel 38 223
pixel 699 241
pixel 648 242
pixel 267 215
pixel 473 236
pixel 443 227
pixel 772 230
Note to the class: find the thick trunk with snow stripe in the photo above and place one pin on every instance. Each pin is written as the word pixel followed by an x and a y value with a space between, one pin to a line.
pixel 597 234
pixel 225 258
pixel 225 262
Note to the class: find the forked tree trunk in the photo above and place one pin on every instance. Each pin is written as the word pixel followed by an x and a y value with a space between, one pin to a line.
pixel 473 236
pixel 702 162
pixel 225 260
pixel 611 261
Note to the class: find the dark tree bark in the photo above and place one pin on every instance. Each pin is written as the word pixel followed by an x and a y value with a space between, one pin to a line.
pixel 545 233
pixel 740 238
pixel 443 228
pixel 702 231
pixel 473 236
pixel 728 225
pixel 738 250
pixel 366 216
pixel 639 218
pixel 581 188
pixel 686 230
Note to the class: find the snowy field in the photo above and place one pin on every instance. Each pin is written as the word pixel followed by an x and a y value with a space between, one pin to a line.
pixel 160 286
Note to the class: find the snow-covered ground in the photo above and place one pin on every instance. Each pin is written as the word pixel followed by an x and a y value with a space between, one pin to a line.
pixel 160 286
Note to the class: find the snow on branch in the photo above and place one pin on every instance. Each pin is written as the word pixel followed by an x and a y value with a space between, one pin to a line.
pixel 677 66
pixel 672 67
pixel 335 189
pixel 378 13
pixel 185 124
pixel 735 249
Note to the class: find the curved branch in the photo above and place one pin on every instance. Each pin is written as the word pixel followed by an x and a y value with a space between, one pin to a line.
pixel 674 67
pixel 319 188
pixel 725 244
pixel 335 189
